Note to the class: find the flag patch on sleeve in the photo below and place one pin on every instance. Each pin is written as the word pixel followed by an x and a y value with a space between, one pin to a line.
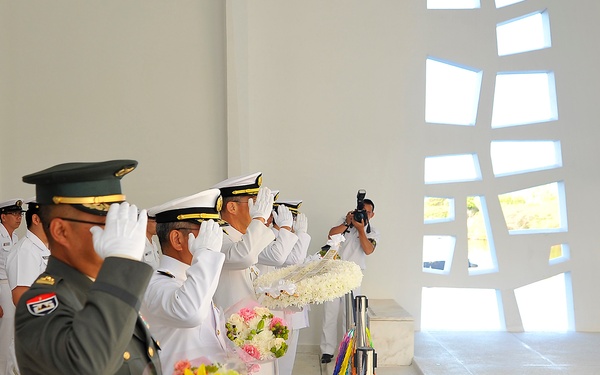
pixel 42 304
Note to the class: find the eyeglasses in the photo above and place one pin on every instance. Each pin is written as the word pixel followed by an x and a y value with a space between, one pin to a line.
pixel 14 213
pixel 246 201
pixel 191 229
pixel 81 221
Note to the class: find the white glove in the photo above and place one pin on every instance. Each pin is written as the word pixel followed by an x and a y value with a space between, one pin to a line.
pixel 301 223
pixel 210 237
pixel 262 206
pixel 283 217
pixel 124 234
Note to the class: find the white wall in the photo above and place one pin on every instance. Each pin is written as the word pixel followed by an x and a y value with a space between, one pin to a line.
pixel 341 83
pixel 116 79
pixel 323 97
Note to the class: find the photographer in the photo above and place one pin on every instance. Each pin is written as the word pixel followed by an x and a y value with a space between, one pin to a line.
pixel 360 240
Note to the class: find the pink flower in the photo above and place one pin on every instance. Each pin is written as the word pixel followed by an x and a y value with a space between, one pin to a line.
pixel 252 351
pixel 254 367
pixel 276 320
pixel 181 366
pixel 247 314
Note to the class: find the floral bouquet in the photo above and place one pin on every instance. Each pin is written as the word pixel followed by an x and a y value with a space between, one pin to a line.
pixel 259 334
pixel 186 367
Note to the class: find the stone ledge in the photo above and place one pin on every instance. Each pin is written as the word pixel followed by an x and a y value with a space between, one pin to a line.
pixel 393 332
pixel 387 309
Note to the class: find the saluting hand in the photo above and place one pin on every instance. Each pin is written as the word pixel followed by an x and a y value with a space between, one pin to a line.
pixel 283 217
pixel 262 206
pixel 301 223
pixel 210 237
pixel 124 233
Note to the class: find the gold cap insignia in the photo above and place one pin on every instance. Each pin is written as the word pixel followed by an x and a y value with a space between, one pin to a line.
pixel 123 171
pixel 219 203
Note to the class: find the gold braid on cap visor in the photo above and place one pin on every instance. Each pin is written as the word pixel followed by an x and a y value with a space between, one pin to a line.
pixel 203 216
pixel 245 191
pixel 89 200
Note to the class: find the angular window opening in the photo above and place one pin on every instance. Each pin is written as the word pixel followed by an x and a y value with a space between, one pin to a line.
pixel 524 98
pixel 452 168
pixel 559 253
pixel 513 157
pixel 437 253
pixel 438 210
pixel 481 251
pixel 504 3
pixel 451 93
pixel 547 305
pixel 457 309
pixel 453 4
pixel 540 209
pixel 523 34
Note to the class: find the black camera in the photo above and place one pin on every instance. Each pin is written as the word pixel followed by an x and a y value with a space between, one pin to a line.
pixel 360 214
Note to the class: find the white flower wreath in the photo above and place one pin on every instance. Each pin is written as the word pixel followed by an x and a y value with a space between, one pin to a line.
pixel 316 281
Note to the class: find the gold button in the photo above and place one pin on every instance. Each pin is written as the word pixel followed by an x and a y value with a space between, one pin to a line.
pixel 218 332
pixel 151 352
pixel 126 356
pixel 157 343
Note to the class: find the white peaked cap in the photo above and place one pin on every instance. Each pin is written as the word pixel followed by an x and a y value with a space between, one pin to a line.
pixel 198 207
pixel 240 185
pixel 15 204
pixel 293 205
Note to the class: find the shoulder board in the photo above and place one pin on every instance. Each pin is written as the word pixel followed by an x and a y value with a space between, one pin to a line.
pixel 45 280
pixel 166 273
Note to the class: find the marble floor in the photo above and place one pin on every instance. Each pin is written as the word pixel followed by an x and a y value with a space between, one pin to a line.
pixel 308 362
pixel 485 353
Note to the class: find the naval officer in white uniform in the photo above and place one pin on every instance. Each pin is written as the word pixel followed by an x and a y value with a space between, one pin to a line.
pixel 246 208
pixel 178 302
pixel 11 214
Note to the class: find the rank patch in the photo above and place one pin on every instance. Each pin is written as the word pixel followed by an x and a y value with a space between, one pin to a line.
pixel 43 304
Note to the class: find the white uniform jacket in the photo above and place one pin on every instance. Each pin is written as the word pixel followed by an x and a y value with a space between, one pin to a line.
pixel 26 261
pixel 6 244
pixel 241 252
pixel 151 254
pixel 178 309
pixel 297 254
pixel 276 253
pixel 7 327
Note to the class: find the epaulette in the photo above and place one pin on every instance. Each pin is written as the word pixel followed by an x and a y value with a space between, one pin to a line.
pixel 166 273
pixel 46 280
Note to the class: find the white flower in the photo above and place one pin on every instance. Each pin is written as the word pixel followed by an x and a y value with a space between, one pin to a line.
pixel 315 282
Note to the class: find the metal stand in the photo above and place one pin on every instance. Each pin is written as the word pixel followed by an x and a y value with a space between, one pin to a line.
pixel 349 300
pixel 365 359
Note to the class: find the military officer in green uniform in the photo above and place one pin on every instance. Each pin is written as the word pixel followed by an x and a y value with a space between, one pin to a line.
pixel 81 316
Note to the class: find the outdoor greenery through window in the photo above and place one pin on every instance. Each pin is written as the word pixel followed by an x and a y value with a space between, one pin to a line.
pixel 534 210
pixel 438 209
pixel 482 255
